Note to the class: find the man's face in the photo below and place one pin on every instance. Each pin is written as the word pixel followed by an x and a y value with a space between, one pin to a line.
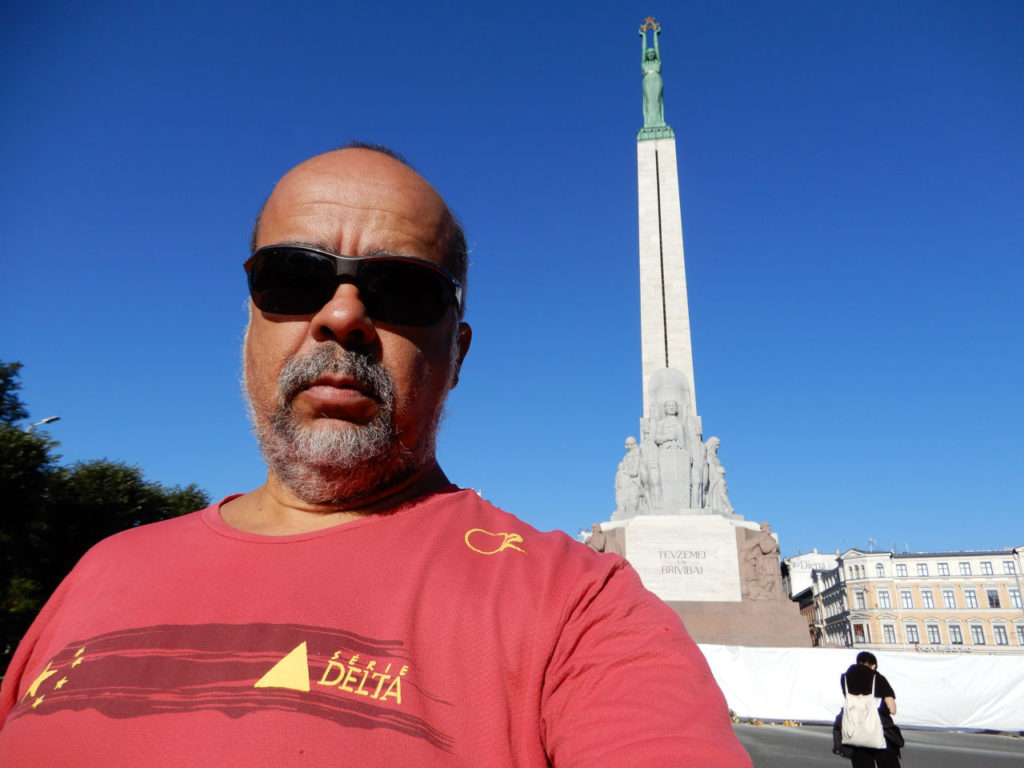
pixel 352 202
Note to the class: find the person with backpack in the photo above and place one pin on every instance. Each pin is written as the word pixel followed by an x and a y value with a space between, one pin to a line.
pixel 863 679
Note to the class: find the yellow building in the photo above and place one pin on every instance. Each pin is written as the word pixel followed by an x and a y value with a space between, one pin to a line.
pixel 938 602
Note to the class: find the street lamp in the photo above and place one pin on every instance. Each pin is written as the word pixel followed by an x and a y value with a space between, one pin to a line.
pixel 47 420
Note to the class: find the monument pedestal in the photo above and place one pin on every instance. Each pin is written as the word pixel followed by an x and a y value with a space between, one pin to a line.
pixel 684 557
pixel 714 573
pixel 758 623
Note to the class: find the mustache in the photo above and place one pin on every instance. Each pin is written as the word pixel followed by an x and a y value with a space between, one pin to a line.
pixel 299 373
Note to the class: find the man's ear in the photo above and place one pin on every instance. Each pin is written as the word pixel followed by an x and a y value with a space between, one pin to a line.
pixel 463 337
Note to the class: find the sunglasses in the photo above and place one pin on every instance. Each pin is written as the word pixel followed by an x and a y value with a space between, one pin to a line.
pixel 295 280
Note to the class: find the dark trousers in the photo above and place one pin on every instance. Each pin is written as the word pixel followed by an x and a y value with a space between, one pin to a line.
pixel 869 758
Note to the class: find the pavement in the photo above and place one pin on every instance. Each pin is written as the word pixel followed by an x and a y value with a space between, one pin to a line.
pixel 810 746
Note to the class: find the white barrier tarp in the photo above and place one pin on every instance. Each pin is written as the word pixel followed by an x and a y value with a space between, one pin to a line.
pixel 984 692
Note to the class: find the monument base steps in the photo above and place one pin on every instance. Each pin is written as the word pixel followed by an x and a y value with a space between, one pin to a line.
pixel 765 623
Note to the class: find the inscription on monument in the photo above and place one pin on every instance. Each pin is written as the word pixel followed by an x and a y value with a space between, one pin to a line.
pixel 684 562
pixel 702 567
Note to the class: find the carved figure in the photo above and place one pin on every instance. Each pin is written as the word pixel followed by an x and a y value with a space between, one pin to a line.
pixel 606 541
pixel 674 461
pixel 628 490
pixel 653 87
pixel 713 479
pixel 650 478
pixel 669 431
pixel 760 565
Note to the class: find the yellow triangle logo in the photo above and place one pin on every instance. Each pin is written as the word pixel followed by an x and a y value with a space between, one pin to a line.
pixel 290 672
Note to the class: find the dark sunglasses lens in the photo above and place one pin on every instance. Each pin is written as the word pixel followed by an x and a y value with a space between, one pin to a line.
pixel 404 293
pixel 290 282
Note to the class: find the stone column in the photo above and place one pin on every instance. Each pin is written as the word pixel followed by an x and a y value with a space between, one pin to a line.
pixel 664 311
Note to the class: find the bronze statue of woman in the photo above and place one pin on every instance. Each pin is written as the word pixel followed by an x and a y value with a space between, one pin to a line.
pixel 650 63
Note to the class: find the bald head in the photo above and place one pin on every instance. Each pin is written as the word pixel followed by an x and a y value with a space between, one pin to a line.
pixel 377 168
pixel 337 437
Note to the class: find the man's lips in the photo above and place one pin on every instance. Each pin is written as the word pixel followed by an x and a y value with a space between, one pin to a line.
pixel 338 398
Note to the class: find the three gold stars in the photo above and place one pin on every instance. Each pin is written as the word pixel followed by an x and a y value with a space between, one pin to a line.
pixel 43 676
pixel 46 674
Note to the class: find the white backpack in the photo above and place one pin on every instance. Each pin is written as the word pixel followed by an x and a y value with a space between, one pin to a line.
pixel 862 725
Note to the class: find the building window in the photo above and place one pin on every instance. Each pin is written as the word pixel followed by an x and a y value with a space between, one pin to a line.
pixel 1015 598
pixel 879 570
pixel 943 569
pixel 970 598
pixel 993 597
pixel 927 599
pixel 954 635
pixel 906 598
pixel 1008 566
pixel 933 634
pixel 860 633
pixel 922 569
pixel 986 568
pixel 912 636
pixel 901 569
pixel 888 633
pixel 965 568
pixel 1000 632
pixel 948 599
pixel 859 597
pixel 1020 634
pixel 977 634
pixel 883 599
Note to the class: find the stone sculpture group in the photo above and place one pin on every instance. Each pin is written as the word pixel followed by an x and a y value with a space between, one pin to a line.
pixel 671 470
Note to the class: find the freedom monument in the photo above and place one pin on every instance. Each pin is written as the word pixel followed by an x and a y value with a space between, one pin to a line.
pixel 673 520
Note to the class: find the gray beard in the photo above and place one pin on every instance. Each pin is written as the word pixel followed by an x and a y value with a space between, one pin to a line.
pixel 332 462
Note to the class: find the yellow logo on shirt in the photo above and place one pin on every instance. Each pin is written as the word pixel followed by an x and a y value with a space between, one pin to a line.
pixel 362 679
pixel 487 543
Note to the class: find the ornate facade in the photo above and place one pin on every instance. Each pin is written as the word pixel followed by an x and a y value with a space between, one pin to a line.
pixel 929 602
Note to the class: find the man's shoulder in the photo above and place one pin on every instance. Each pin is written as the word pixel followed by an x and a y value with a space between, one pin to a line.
pixel 162 533
pixel 489 528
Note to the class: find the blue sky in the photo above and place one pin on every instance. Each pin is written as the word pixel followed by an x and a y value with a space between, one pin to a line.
pixel 852 182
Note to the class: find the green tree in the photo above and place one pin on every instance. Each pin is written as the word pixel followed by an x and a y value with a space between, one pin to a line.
pixel 11 407
pixel 91 500
pixel 27 465
pixel 51 514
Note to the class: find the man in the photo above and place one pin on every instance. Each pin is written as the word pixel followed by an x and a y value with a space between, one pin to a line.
pixel 357 608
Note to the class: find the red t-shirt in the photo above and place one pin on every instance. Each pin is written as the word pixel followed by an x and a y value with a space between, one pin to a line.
pixel 444 632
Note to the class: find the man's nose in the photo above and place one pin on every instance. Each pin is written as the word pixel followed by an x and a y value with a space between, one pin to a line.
pixel 344 319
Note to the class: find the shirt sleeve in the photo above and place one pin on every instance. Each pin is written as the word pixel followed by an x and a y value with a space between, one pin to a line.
pixel 627 686
pixel 882 688
pixel 18 668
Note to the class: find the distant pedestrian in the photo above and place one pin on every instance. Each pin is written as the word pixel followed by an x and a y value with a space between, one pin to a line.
pixel 863 678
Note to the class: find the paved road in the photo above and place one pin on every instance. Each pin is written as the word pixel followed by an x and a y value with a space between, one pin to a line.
pixel 810 746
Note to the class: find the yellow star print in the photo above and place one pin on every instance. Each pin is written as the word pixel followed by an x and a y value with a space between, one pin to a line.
pixel 46 673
